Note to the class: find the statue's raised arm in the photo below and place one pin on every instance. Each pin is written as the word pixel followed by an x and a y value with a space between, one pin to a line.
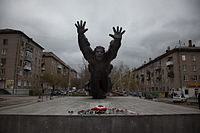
pixel 81 27
pixel 115 43
pixel 84 44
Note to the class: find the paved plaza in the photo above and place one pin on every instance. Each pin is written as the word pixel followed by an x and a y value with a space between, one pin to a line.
pixel 61 106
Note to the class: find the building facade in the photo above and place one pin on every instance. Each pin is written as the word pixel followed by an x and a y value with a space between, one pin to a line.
pixel 176 71
pixel 20 62
pixel 54 65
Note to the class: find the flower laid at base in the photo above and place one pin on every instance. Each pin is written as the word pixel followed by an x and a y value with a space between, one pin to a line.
pixel 100 109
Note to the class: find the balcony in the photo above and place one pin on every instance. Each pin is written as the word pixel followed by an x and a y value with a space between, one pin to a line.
pixel 159 77
pixel 158 68
pixel 169 63
pixel 59 71
pixel 29 47
pixel 28 56
pixel 42 61
pixel 148 78
pixel 59 66
pixel 43 68
pixel 28 68
pixel 27 65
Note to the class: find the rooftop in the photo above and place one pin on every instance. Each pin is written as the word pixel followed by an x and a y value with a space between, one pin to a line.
pixel 11 31
pixel 51 54
pixel 183 48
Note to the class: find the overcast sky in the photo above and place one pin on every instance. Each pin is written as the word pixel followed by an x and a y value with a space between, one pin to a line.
pixel 151 25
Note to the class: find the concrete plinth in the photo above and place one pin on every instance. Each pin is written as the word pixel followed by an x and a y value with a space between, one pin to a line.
pixel 188 123
pixel 52 117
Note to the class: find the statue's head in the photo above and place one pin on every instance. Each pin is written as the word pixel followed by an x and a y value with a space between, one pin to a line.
pixel 99 52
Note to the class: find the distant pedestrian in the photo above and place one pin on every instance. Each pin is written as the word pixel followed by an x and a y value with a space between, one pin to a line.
pixel 199 100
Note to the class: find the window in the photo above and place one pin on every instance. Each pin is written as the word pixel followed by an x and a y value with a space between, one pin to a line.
pixel 21 53
pixel 195 78
pixel 5 41
pixel 35 60
pixel 19 83
pixel 29 83
pixel 194 68
pixel 20 63
pixel 30 75
pixel 20 73
pixel 185 78
pixel 25 82
pixel 3 61
pixel 22 45
pixel 183 58
pixel 193 58
pixel 3 51
pixel 184 68
pixel 186 92
pixel 2 71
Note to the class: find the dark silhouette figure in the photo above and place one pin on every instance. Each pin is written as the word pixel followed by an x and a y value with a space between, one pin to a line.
pixel 99 60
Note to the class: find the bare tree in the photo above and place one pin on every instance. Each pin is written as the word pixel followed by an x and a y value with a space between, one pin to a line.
pixel 123 78
pixel 52 79
pixel 84 73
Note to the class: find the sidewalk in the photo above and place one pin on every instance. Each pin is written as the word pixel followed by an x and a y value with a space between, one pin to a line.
pixel 191 102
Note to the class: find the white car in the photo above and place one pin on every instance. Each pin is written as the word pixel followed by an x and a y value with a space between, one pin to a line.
pixel 179 98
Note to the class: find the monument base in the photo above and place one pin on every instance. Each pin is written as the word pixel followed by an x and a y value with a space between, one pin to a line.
pixel 187 123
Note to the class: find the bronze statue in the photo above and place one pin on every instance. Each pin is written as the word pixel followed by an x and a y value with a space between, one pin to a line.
pixel 99 60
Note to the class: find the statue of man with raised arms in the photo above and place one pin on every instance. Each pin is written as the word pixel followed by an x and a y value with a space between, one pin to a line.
pixel 99 60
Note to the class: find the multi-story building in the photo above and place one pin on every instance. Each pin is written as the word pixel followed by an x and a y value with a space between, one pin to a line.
pixel 20 62
pixel 53 64
pixel 176 71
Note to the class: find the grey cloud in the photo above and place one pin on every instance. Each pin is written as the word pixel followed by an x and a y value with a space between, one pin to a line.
pixel 150 26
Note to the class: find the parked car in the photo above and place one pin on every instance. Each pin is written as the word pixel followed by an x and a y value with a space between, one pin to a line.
pixel 63 92
pixel 3 91
pixel 148 96
pixel 179 98
pixel 56 92
pixel 133 93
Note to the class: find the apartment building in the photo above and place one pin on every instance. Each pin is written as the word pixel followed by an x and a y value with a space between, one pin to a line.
pixel 20 62
pixel 176 71
pixel 53 64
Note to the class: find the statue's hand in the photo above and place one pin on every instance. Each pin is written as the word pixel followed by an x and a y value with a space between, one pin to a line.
pixel 117 33
pixel 81 27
